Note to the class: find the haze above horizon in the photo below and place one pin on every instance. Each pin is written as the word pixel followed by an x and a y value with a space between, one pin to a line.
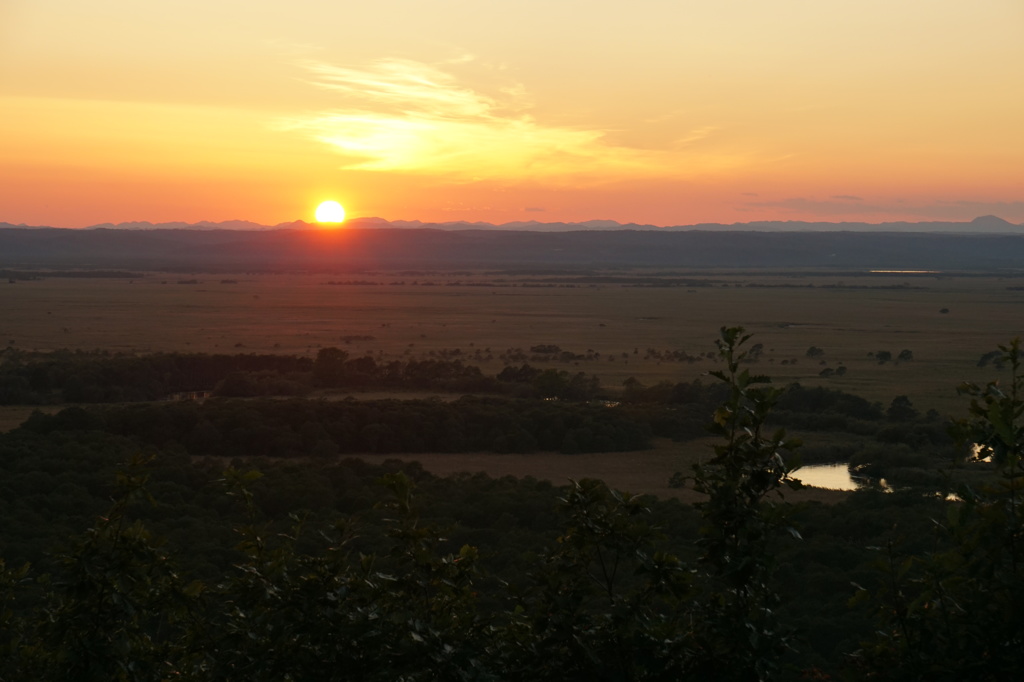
pixel 659 113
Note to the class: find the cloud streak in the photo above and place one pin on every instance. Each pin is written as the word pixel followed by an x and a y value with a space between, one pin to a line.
pixel 407 116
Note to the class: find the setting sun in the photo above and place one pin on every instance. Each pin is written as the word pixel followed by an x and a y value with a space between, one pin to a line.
pixel 330 212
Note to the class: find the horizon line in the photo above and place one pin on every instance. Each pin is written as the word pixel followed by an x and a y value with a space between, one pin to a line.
pixel 416 223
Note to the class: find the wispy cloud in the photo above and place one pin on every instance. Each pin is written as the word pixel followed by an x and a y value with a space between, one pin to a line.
pixel 696 136
pixel 404 115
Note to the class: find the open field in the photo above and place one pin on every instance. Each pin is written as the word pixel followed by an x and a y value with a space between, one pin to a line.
pixel 12 416
pixel 646 471
pixel 609 318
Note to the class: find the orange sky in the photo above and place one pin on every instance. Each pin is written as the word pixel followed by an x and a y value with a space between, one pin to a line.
pixel 557 110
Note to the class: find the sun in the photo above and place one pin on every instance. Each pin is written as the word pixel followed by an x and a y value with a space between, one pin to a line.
pixel 330 212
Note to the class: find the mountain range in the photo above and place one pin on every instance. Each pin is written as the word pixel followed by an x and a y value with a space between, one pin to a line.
pixel 982 225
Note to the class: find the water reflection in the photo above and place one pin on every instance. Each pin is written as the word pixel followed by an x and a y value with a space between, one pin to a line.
pixel 830 476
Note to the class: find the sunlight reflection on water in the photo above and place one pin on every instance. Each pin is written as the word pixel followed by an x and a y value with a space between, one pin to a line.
pixel 830 476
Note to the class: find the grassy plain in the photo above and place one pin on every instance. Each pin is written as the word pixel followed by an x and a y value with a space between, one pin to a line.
pixel 645 471
pixel 612 317
pixel 422 315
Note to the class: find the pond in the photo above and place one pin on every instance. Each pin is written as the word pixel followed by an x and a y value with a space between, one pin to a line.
pixel 830 476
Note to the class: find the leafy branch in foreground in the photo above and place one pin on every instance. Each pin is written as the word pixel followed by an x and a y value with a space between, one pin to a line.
pixel 111 603
pixel 604 605
pixel 741 519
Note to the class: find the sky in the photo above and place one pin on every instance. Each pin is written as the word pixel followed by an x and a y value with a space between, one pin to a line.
pixel 664 112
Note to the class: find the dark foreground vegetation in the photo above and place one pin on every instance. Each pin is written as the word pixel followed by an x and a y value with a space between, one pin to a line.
pixel 130 552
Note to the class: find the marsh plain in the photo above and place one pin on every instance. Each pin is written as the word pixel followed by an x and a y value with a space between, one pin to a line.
pixel 652 326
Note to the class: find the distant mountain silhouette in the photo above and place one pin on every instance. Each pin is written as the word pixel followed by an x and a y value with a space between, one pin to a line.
pixel 201 225
pixel 991 223
pixel 984 224
pixel 988 224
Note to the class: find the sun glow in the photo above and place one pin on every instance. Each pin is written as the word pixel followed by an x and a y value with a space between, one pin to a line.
pixel 330 212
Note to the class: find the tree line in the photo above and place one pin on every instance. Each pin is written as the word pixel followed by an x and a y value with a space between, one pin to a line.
pixel 78 376
pixel 325 429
